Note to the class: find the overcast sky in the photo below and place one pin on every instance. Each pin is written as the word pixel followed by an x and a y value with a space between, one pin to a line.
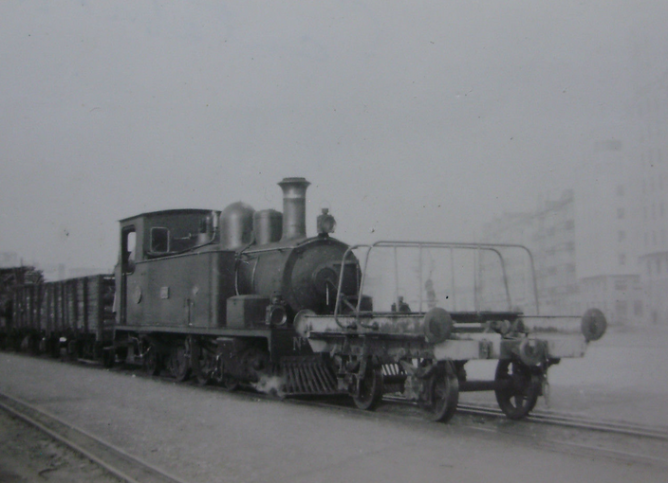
pixel 417 120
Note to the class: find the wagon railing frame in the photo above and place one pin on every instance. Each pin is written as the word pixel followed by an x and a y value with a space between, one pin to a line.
pixel 451 246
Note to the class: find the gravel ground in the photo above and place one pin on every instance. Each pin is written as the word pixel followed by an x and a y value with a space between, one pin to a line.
pixel 27 455
pixel 207 436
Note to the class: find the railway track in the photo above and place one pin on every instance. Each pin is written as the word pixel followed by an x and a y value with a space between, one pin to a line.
pixel 563 420
pixel 574 421
pixel 552 418
pixel 131 469
pixel 119 463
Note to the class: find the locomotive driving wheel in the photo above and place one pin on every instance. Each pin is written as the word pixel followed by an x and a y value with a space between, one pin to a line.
pixel 370 389
pixel 180 363
pixel 222 377
pixel 442 395
pixel 230 383
pixel 203 362
pixel 520 395
pixel 152 360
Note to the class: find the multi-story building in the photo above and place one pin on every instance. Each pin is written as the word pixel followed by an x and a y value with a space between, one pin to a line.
pixel 585 252
pixel 607 229
pixel 511 228
pixel 549 232
pixel 651 112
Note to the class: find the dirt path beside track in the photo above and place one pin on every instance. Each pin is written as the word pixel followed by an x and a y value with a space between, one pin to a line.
pixel 27 455
pixel 203 435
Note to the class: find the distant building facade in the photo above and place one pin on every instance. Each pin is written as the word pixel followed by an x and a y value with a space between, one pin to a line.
pixel 608 228
pixel 549 232
pixel 584 247
pixel 651 114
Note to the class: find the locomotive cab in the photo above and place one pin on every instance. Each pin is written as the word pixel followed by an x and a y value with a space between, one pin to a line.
pixel 163 265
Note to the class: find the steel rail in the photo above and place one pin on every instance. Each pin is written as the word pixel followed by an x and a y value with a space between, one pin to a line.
pixel 574 421
pixel 546 443
pixel 537 416
pixel 565 420
pixel 116 461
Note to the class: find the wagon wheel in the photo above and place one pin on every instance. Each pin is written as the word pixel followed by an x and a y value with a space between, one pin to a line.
pixel 442 396
pixel 520 396
pixel 152 361
pixel 122 354
pixel 181 364
pixel 370 390
pixel 53 344
pixel 34 345
pixel 73 349
pixel 108 357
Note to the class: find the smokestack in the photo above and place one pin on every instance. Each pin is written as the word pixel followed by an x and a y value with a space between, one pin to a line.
pixel 294 207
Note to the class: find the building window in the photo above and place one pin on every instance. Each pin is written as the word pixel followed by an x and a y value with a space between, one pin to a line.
pixel 658 267
pixel 622 259
pixel 621 235
pixel 637 308
pixel 620 213
pixel 620 308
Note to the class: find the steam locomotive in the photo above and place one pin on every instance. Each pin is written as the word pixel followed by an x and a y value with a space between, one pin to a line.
pixel 244 297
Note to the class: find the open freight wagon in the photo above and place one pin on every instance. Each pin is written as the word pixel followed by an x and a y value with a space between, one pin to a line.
pixel 74 314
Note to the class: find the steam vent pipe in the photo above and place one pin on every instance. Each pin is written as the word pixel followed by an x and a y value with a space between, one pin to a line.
pixel 294 207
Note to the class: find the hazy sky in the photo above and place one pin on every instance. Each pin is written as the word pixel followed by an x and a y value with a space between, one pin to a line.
pixel 417 120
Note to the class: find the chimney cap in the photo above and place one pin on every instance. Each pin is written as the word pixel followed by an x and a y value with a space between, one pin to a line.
pixel 294 180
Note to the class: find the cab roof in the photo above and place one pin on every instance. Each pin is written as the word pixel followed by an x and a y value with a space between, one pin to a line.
pixel 181 211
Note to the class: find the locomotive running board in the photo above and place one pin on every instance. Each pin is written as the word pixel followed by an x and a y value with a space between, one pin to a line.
pixel 307 375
